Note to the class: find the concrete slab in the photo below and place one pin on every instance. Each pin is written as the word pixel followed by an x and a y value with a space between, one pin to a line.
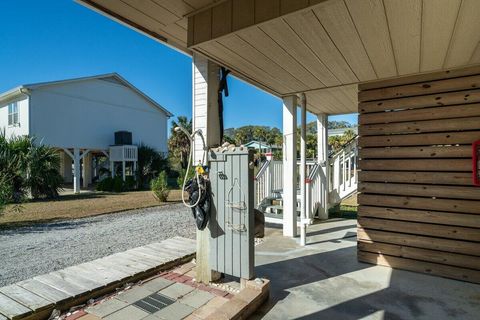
pixel 210 307
pixel 176 311
pixel 130 313
pixel 107 307
pixel 134 294
pixel 197 298
pixel 89 317
pixel 324 280
pixel 176 290
pixel 92 279
pixel 157 284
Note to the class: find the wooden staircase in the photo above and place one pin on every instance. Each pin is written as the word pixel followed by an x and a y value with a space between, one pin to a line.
pixel 342 183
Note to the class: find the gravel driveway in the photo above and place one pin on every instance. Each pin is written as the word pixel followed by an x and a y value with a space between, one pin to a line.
pixel 41 248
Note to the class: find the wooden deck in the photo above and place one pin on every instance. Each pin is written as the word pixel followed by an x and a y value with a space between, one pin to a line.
pixel 35 298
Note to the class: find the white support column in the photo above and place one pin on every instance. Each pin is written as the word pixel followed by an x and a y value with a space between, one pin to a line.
pixel 205 104
pixel 62 156
pixel 290 166
pixel 87 170
pixel 205 116
pixel 123 170
pixel 67 167
pixel 135 170
pixel 112 169
pixel 269 174
pixel 76 170
pixel 322 147
pixel 303 171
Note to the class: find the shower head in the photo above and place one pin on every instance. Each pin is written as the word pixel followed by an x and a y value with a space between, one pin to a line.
pixel 182 129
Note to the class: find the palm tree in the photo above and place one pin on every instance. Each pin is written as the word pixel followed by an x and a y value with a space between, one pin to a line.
pixel 26 166
pixel 43 178
pixel 150 164
pixel 179 143
pixel 13 166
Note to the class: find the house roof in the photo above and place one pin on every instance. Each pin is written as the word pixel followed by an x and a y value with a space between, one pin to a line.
pixel 323 48
pixel 112 77
pixel 257 144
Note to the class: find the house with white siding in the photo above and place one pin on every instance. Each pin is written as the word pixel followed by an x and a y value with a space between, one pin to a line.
pixel 80 116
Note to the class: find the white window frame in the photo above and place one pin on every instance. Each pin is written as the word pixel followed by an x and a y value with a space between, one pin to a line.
pixel 13 114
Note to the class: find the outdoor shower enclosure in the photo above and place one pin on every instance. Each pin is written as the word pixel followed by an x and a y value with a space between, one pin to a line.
pixel 232 218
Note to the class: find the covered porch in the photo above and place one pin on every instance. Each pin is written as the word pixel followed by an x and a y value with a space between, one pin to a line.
pixel 325 281
pixel 80 167
pixel 410 68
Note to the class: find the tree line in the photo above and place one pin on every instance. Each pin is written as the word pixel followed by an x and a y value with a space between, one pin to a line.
pixel 179 145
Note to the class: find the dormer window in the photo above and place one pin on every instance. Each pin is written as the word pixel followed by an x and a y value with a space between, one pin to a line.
pixel 13 118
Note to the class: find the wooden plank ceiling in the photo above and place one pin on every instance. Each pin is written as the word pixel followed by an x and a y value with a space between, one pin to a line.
pixel 292 46
pixel 164 20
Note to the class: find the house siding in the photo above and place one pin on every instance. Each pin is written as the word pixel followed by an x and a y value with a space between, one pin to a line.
pixel 86 114
pixel 418 207
pixel 23 113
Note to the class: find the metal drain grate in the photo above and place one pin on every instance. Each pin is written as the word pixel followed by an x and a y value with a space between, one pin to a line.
pixel 154 302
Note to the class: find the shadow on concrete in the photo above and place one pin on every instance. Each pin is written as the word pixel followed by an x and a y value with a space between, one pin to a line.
pixel 390 304
pixel 330 230
pixel 305 270
pixel 301 277
pixel 349 236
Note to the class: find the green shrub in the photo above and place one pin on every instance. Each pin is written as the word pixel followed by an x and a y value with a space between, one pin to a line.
pixel 105 184
pixel 115 184
pixel 159 187
pixel 130 183
pixel 118 184
pixel 150 163
pixel 5 192
pixel 181 176
pixel 26 166
pixel 44 179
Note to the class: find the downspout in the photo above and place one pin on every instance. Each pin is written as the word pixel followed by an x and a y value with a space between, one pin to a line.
pixel 27 92
pixel 303 171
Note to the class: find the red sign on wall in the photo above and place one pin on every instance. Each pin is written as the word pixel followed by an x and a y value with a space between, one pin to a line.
pixel 476 162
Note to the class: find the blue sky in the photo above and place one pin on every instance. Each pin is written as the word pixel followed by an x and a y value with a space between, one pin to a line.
pixel 60 39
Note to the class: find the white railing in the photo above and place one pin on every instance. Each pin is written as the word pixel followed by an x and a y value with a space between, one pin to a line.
pixel 342 175
pixel 262 187
pixel 343 172
pixel 316 192
pixel 276 174
pixel 269 179
pixel 123 153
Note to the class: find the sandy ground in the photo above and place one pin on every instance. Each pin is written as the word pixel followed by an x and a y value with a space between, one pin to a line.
pixel 41 248
pixel 86 204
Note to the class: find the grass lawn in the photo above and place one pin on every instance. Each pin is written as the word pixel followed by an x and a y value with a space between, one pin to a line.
pixel 83 205
pixel 343 211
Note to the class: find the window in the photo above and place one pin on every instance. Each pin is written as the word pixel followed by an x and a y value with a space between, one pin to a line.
pixel 13 114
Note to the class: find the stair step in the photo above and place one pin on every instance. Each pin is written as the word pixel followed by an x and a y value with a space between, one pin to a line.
pixel 276 209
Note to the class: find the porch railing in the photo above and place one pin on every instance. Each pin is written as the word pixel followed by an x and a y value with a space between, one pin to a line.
pixel 262 183
pixel 343 172
pixel 342 178
pixel 269 179
pixel 124 153
pixel 315 191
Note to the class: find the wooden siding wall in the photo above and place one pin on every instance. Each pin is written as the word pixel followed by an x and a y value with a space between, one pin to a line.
pixel 418 208
pixel 232 15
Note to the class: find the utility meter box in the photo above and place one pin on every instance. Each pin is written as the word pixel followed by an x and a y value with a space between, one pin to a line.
pixel 232 218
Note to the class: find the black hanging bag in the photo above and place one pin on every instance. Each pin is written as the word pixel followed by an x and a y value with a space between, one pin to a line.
pixel 201 212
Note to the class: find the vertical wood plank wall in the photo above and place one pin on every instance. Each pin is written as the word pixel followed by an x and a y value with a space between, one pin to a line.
pixel 418 207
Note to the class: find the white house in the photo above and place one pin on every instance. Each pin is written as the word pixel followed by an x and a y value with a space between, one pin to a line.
pixel 80 117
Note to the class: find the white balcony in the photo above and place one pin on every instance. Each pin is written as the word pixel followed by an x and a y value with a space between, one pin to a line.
pixel 123 153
